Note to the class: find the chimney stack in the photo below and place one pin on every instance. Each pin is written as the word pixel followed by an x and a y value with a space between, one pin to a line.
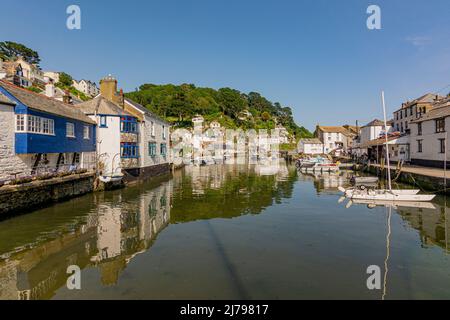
pixel 67 98
pixel 108 87
pixel 50 89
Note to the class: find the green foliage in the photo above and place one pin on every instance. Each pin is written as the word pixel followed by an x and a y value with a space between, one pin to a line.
pixel 11 50
pixel 65 79
pixel 34 89
pixel 178 104
pixel 73 91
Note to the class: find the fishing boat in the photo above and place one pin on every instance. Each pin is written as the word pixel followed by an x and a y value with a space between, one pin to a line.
pixel 386 194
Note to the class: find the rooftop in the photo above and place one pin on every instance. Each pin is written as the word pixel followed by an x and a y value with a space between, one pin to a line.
pixel 311 141
pixel 441 110
pixel 101 105
pixel 334 129
pixel 42 103
pixel 144 110
pixel 5 100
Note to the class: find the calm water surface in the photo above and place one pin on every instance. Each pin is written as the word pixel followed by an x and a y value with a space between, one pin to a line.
pixel 225 232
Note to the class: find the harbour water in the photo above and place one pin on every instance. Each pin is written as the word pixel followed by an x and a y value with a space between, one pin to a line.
pixel 226 232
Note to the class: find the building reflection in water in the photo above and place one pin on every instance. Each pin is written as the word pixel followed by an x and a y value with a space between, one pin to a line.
pixel 117 226
pixel 105 231
pixel 433 225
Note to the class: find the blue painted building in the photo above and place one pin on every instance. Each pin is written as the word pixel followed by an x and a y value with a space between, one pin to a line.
pixel 48 135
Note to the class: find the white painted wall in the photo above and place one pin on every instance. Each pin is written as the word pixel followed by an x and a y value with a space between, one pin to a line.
pixel 146 136
pixel 430 141
pixel 370 133
pixel 310 148
pixel 108 143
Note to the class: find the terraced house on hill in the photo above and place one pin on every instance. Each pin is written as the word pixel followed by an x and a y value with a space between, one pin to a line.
pixel 38 133
pixel 131 140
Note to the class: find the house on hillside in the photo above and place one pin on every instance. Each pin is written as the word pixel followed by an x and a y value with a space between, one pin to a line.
pixel 39 134
pixel 22 73
pixel 87 87
pixel 335 139
pixel 310 146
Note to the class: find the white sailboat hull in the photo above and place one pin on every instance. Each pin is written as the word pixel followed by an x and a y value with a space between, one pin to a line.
pixel 349 192
pixel 387 196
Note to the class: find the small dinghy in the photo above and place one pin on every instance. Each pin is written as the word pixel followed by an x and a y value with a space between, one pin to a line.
pixel 348 192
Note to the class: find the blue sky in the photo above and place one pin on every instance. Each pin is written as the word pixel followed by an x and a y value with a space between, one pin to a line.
pixel 316 56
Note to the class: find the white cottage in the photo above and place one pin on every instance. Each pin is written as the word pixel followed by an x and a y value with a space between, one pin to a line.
pixel 310 146
pixel 429 136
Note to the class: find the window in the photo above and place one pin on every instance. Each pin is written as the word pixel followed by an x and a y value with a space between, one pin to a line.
pixel 406 125
pixel 163 149
pixel 164 132
pixel 86 132
pixel 419 145
pixel 20 123
pixel 396 116
pixel 441 145
pixel 128 125
pixel 129 150
pixel 401 126
pixel 48 126
pixel 153 128
pixel 103 123
pixel 152 149
pixel 440 125
pixel 419 129
pixel 70 130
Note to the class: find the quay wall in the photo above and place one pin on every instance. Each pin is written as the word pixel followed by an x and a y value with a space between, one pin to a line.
pixel 29 196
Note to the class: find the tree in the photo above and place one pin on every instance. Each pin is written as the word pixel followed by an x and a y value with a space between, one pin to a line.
pixel 265 116
pixel 12 50
pixel 65 79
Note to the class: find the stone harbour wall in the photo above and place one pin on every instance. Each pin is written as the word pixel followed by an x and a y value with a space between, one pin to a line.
pixel 29 196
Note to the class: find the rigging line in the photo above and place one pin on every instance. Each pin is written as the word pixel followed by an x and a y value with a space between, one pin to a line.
pixel 442 89
pixel 388 252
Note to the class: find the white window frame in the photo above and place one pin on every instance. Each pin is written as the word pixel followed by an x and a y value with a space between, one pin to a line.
pixel 68 133
pixel 21 123
pixel 86 133
pixel 27 123
pixel 152 128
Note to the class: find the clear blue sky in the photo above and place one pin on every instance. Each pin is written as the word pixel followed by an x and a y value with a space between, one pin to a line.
pixel 316 56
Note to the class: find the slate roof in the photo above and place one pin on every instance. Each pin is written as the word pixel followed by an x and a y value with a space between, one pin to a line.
pixel 311 141
pixel 144 110
pixel 5 100
pixel 332 129
pixel 441 109
pixel 42 103
pixel 101 105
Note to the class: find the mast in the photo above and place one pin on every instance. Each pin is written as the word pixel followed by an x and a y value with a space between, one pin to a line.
pixel 387 146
